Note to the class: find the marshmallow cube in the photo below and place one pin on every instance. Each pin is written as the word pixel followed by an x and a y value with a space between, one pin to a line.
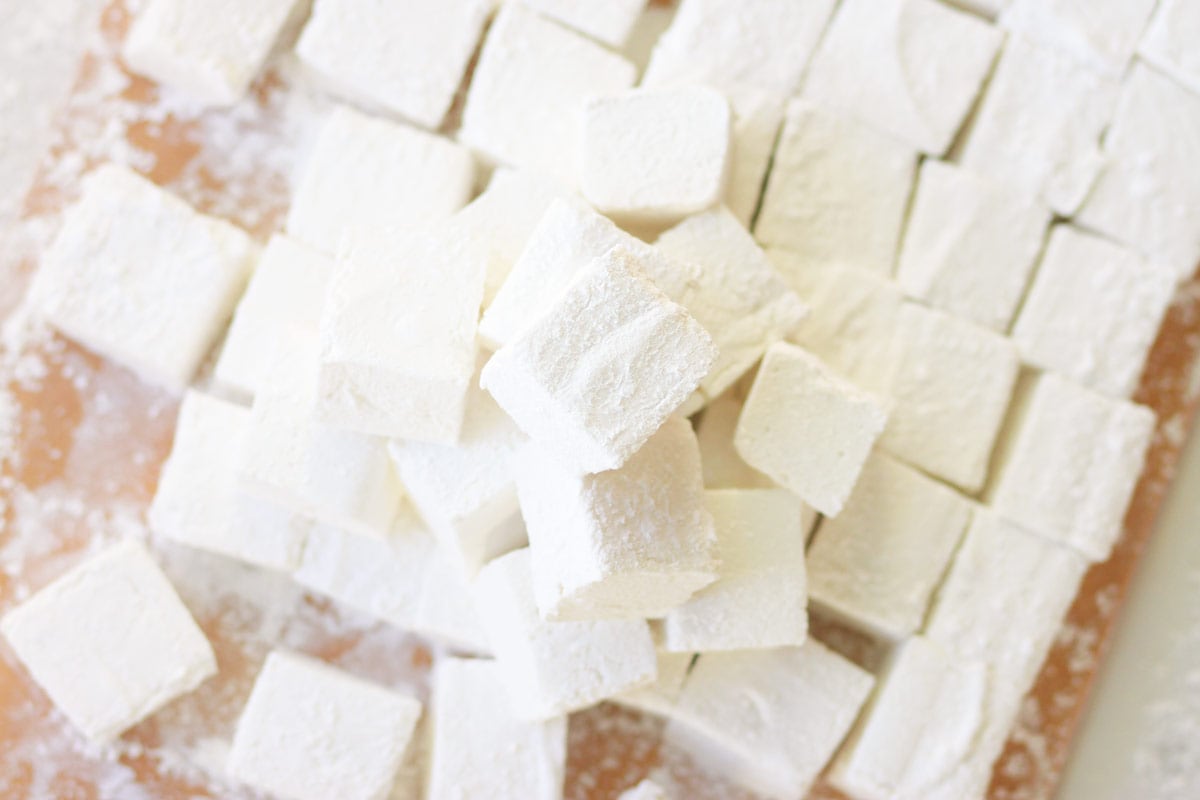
pixel 655 154
pixel 632 542
pixel 110 641
pixel 723 467
pixel 807 428
pixel 480 749
pixel 525 104
pixel 757 117
pixel 404 57
pixel 210 51
pixel 137 276
pixel 1169 42
pixel 911 68
pixel 759 598
pixel 552 668
pixel 659 697
pixel 970 245
pixel 603 368
pixel 368 174
pixel 768 719
pixel 199 502
pixel 287 289
pixel 876 565
pixel 310 732
pixel 610 22
pixel 398 334
pixel 1071 464
pixel 1101 34
pixel 837 193
pixel 1093 312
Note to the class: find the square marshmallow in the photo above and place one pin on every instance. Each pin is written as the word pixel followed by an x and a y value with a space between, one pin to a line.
pixel 837 193
pixel 609 22
pixel 807 428
pixel 199 501
pixel 1169 43
pixel 287 289
pixel 1093 311
pixel 139 277
pixel 553 668
pixel 723 467
pixel 1099 33
pixel 876 565
pixel 651 155
pixel 757 117
pixel 367 174
pixel 311 731
pixel 970 244
pixel 1070 464
pixel 627 543
pixel 602 368
pixel 403 56
pixel 759 598
pixel 480 749
pixel 211 51
pixel 398 333
pixel 768 720
pixel 659 697
pixel 911 68
pixel 527 95
pixel 110 642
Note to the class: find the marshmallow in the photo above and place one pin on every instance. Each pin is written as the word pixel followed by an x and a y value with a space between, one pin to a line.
pixel 610 22
pixel 210 51
pixel 806 428
pixel 628 543
pixel 1101 33
pixel 1148 193
pixel 398 334
pixel 602 368
pixel 911 68
pixel 109 641
pixel 1039 124
pixel 876 565
pixel 1169 43
pixel 480 749
pixel 1070 464
pixel 199 503
pixel 655 154
pixel 552 668
pixel 837 192
pixel 659 697
pixel 646 790
pixel 970 245
pixel 757 117
pixel 528 91
pixel 137 276
pixel 723 468
pixel 951 384
pixel 287 289
pixel 310 731
pixel 768 720
pixel 365 174
pixel 1093 312
pixel 759 599
pixel 403 56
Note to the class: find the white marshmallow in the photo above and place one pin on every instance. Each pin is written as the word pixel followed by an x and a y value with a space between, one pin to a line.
pixel 1093 312
pixel 287 289
pixel 109 641
pixel 609 22
pixel 403 56
pixel 646 790
pixel 759 598
pixel 1169 43
pixel 806 428
pixel 480 749
pixel 876 565
pixel 398 334
pixel 1099 33
pixel 310 732
pixel 366 174
pixel 552 668
pixel 528 91
pixel 628 543
pixel 757 117
pixel 1039 125
pixel 199 502
pixel 139 277
pixel 655 154
pixel 837 192
pixel 659 697
pixel 1070 463
pixel 951 384
pixel 970 244
pixel 722 466
pixel 1148 193
pixel 769 719
pixel 602 368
